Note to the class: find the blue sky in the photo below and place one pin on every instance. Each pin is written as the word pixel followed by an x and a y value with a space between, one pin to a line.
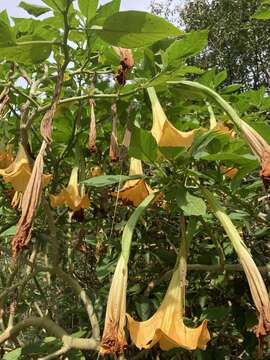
pixel 14 10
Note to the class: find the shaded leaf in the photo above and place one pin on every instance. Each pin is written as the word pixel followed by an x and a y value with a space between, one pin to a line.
pixel 143 146
pixel 108 180
pixel 190 204
pixel 131 29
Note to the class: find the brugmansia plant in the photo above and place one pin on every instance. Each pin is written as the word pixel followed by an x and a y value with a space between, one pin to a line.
pixel 104 122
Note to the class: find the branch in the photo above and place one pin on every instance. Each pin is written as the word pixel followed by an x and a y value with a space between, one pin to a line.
pixel 228 267
pixel 81 294
pixel 52 328
pixel 88 96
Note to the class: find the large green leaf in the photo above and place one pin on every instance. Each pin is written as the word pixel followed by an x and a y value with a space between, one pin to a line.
pixel 190 204
pixel 190 45
pixel 7 36
pixel 32 9
pixel 88 8
pixel 108 180
pixel 143 146
pixel 132 29
pixel 246 159
pixel 28 51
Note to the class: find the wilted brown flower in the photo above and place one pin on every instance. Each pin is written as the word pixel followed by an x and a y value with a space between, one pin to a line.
pixel 113 338
pixel 30 202
pixel 126 64
pixel 260 148
pixel 92 128
pixel 114 152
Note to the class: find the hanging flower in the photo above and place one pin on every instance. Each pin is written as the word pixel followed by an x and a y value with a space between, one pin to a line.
pixel 73 195
pixel 18 174
pixel 257 286
pixel 92 128
pixel 114 151
pixel 113 339
pixel 164 132
pixel 260 148
pixel 134 191
pixel 166 326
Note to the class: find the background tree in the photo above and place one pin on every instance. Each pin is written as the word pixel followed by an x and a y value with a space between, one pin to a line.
pixel 236 42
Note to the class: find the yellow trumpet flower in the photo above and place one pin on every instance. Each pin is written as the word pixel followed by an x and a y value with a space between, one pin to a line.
pixel 166 326
pixel 113 339
pixel 72 196
pixel 164 132
pixel 134 191
pixel 18 174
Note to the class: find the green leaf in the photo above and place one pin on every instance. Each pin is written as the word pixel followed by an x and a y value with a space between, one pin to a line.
pixel 32 9
pixel 220 77
pixel 190 45
pixel 13 355
pixel 28 52
pixel 58 5
pixel 190 204
pixel 88 8
pixel 263 129
pixel 108 180
pixel 143 145
pixel 9 232
pixel 133 29
pixel 105 11
pixel 217 313
pixel 231 88
pixel 245 159
pixel 262 14
pixel 7 36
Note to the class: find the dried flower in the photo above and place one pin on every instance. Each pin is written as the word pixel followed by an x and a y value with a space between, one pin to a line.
pixel 113 339
pixel 113 152
pixel 260 148
pixel 30 203
pixel 92 128
pixel 73 195
pixel 126 64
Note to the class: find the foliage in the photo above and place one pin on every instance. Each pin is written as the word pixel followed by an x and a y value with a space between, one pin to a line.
pixel 59 283
pixel 238 42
